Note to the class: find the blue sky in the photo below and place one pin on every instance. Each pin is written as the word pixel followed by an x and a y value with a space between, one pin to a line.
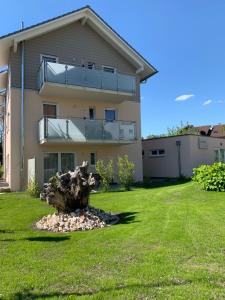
pixel 183 39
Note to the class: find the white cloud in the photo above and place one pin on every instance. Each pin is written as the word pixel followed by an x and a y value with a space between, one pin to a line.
pixel 184 97
pixel 207 102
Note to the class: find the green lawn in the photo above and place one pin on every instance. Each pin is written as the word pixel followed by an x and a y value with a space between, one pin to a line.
pixel 170 245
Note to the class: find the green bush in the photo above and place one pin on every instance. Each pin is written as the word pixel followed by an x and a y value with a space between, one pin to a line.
pixel 210 177
pixel 1 171
pixel 105 172
pixel 125 172
pixel 33 188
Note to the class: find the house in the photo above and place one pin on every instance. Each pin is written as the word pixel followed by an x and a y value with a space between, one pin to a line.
pixel 212 130
pixel 175 156
pixel 71 93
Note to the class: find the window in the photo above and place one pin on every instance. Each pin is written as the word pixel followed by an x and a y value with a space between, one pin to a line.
pixel 109 69
pixel 49 58
pixel 156 152
pixel 110 114
pixel 91 65
pixel 67 162
pixel 219 155
pixel 50 165
pixel 91 113
pixel 92 159
pixel 55 162
pixel 50 110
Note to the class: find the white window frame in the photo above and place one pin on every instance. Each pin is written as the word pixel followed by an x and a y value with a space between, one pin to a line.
pixel 50 56
pixel 110 108
pixel 104 66
pixel 51 103
pixel 157 155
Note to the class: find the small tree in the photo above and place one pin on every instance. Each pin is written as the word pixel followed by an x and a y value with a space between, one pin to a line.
pixel 33 188
pixel 125 172
pixel 105 172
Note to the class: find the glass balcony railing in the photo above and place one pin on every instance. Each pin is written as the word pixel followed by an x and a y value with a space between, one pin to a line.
pixel 84 77
pixel 85 130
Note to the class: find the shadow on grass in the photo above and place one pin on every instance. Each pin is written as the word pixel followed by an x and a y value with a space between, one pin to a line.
pixel 6 231
pixel 127 217
pixel 29 294
pixel 166 183
pixel 47 238
pixel 55 239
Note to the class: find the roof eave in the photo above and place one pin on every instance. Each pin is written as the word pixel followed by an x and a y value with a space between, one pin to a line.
pixel 95 20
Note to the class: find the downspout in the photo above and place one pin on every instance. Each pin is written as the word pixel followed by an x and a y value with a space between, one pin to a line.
pixel 4 135
pixel 22 117
pixel 178 143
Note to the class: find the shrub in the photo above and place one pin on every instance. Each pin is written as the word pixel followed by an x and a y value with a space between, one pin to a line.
pixel 1 171
pixel 105 172
pixel 33 188
pixel 125 172
pixel 210 177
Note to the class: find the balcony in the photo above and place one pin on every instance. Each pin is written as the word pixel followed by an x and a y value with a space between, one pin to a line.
pixel 80 130
pixel 61 80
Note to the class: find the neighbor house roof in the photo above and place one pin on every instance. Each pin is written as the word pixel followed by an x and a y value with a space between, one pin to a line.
pixel 85 15
pixel 218 130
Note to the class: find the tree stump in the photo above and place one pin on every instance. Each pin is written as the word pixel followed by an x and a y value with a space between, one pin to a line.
pixel 69 191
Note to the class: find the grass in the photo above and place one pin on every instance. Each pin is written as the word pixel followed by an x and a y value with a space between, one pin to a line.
pixel 170 244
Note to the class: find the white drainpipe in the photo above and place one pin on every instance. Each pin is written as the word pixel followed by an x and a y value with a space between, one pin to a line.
pixel 22 117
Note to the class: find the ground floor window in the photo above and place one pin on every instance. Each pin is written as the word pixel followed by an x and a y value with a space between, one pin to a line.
pixel 156 152
pixel 92 159
pixel 55 162
pixel 219 155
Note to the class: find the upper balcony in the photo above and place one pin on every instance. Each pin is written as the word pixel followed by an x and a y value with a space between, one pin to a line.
pixel 82 131
pixel 70 81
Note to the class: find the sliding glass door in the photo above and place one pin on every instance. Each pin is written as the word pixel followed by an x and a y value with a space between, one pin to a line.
pixel 50 165
pixel 55 162
pixel 67 162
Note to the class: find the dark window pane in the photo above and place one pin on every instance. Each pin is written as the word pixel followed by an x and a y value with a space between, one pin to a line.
pixel 109 69
pixel 49 110
pixel 50 165
pixel 154 152
pixel 91 113
pixel 92 158
pixel 110 115
pixel 67 162
pixel 91 65
pixel 49 59
pixel 161 151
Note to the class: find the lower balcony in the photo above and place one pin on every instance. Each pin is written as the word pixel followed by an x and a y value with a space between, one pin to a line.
pixel 80 130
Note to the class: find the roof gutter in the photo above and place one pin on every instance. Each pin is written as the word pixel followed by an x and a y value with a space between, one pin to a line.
pixel 145 78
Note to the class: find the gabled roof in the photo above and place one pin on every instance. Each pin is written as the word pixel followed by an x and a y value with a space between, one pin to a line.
pixel 85 15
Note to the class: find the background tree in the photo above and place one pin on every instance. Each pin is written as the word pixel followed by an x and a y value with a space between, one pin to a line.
pixel 177 130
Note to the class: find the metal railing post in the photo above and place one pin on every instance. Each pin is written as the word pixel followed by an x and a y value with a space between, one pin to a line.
pixel 67 128
pixel 66 74
pixel 45 127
